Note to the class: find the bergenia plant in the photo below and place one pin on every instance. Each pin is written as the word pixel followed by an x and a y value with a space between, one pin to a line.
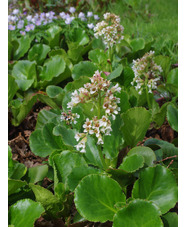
pixel 146 74
pixel 101 94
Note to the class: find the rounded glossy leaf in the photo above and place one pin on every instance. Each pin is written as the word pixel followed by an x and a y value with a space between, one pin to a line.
pixel 24 73
pixel 52 68
pixel 25 212
pixel 170 219
pixel 13 185
pixel 136 122
pixel 138 213
pixel 12 88
pixel 137 44
pixel 132 163
pixel 95 198
pixel 146 152
pixel 172 77
pixel 116 73
pixel 98 56
pixel 172 117
pixel 84 68
pixel 38 53
pixel 38 145
pixel 79 36
pixel 37 173
pixel 66 162
pixel 157 184
pixel 78 173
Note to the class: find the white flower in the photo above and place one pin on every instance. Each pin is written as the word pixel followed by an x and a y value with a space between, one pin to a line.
pixel 72 10
pixel 69 20
pixel 91 26
pixel 62 15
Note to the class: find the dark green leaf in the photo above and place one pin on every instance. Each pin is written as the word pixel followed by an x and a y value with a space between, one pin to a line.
pixel 170 219
pixel 38 52
pixel 138 213
pixel 172 117
pixel 137 44
pixel 116 73
pixel 136 122
pixel 84 68
pixel 146 152
pixel 95 198
pixel 132 163
pixel 12 88
pixel 157 184
pixel 25 212
pixel 24 73
pixel 37 173
pixel 13 185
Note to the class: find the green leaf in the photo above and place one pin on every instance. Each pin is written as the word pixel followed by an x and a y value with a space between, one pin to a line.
pixel 38 145
pixel 159 116
pixel 25 212
pixel 137 44
pixel 146 152
pixel 38 52
pixel 47 199
pixel 172 77
pixel 157 184
pixel 172 117
pixel 138 213
pixel 52 37
pixel 164 62
pixel 13 185
pixel 132 163
pixel 98 56
pixel 23 45
pixel 37 173
pixel 112 143
pixel 20 110
pixel 46 99
pixel 68 135
pixel 53 68
pixel 45 116
pixel 16 170
pixel 55 93
pixel 92 152
pixel 78 36
pixel 12 88
pixel 78 173
pixel 116 73
pixel 84 68
pixel 66 162
pixel 51 140
pixel 24 73
pixel 95 198
pixel 136 122
pixel 124 101
pixel 128 76
pixel 170 219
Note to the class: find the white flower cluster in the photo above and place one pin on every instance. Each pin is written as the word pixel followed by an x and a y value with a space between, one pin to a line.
pixel 97 127
pixel 102 96
pixel 145 69
pixel 69 117
pixel 92 91
pixel 109 29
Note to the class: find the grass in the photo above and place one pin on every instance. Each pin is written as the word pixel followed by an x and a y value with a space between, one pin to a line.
pixel 151 18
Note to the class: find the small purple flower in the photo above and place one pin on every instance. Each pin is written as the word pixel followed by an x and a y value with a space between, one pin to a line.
pixel 42 15
pixel 81 15
pixel 20 24
pixel 27 28
pixel 62 15
pixel 13 18
pixel 11 27
pixel 15 11
pixel 72 10
pixel 96 17
pixel 38 22
pixel 45 22
pixel 91 26
pixel 89 14
pixel 32 26
pixel 23 32
pixel 69 20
